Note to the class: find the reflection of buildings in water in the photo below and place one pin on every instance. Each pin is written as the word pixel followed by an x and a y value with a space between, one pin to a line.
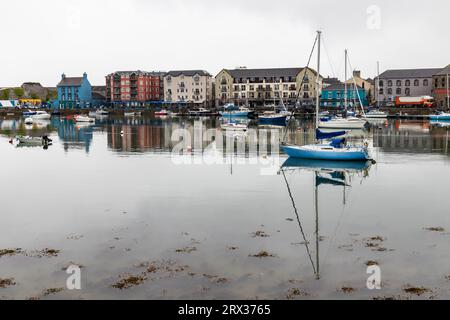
pixel 156 136
pixel 9 125
pixel 141 138
pixel 72 135
pixel 412 137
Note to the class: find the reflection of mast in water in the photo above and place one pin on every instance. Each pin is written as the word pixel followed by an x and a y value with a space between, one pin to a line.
pixel 338 172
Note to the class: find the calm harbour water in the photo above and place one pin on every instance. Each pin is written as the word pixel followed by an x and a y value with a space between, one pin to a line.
pixel 112 199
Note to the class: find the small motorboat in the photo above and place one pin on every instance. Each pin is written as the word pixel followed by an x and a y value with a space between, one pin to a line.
pixel 376 114
pixel 29 113
pixel 202 112
pixel 44 140
pixel 101 112
pixel 270 117
pixel 231 126
pixel 162 113
pixel 132 114
pixel 81 118
pixel 230 110
pixel 440 116
pixel 42 115
pixel 344 123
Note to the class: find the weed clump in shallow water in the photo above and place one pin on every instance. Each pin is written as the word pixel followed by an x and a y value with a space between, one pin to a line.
pixel 186 250
pixel 435 229
pixel 260 234
pixel 10 252
pixel 263 254
pixel 418 291
pixel 130 281
pixel 347 290
pixel 371 263
pixel 7 282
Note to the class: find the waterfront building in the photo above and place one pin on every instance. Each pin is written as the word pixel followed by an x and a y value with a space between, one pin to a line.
pixel 74 92
pixel 134 88
pixel 330 81
pixel 404 83
pixel 192 87
pixel 258 87
pixel 367 84
pixel 441 88
pixel 334 96
pixel 98 96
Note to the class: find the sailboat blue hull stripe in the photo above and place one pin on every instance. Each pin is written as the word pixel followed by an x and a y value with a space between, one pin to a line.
pixel 296 152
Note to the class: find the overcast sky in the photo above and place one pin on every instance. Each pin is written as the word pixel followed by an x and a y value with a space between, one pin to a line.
pixel 42 39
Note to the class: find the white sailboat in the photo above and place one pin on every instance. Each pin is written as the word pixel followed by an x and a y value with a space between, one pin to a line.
pixel 337 149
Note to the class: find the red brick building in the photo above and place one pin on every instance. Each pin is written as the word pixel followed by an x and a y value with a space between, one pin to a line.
pixel 134 88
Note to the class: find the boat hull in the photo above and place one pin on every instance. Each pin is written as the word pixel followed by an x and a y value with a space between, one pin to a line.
pixel 273 120
pixel 342 125
pixel 235 114
pixel 440 117
pixel 334 154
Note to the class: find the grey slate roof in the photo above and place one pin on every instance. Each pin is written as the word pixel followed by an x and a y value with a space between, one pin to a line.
pixel 444 71
pixel 341 86
pixel 138 72
pixel 188 73
pixel 409 73
pixel 265 73
pixel 71 81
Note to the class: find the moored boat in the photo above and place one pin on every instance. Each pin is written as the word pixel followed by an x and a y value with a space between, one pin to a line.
pixel 376 114
pixel 81 118
pixel 440 116
pixel 234 126
pixel 42 115
pixel 336 150
pixel 202 112
pixel 343 123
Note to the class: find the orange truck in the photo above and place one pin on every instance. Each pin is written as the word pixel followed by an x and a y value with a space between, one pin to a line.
pixel 423 101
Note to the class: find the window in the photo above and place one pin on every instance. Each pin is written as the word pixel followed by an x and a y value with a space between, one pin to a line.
pixel 389 90
pixel 381 91
pixel 407 91
pixel 398 91
pixel 416 83
pixel 407 83
pixel 425 82
pixel 390 83
pixel 243 88
pixel 381 83
pixel 399 83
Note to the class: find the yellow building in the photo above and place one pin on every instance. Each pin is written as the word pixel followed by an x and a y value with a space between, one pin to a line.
pixel 34 102
pixel 367 84
pixel 257 87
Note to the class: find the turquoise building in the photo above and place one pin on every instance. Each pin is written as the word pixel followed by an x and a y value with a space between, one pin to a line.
pixel 334 96
pixel 74 92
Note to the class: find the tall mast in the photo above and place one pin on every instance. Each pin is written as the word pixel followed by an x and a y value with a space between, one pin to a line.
pixel 319 33
pixel 448 93
pixel 378 84
pixel 345 83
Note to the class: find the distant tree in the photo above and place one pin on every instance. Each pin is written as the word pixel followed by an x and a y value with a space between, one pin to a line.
pixel 34 96
pixel 19 93
pixel 5 94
